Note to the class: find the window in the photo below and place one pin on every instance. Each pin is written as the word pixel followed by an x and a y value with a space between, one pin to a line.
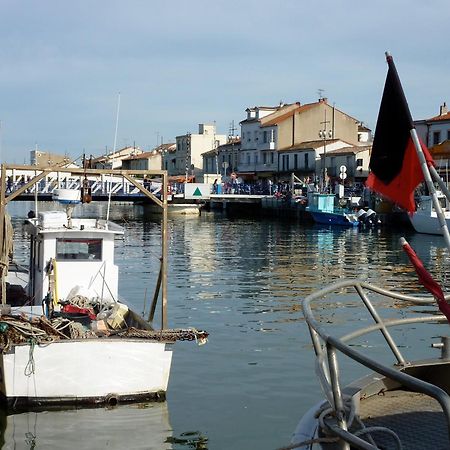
pixel 85 249
pixel 436 137
pixel 272 157
pixel 359 162
pixel 256 158
pixel 264 157
pixel 295 161
pixel 306 161
pixel 448 135
pixel 265 137
pixel 248 158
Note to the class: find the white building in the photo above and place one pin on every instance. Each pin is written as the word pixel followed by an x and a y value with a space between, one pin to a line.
pixel 355 159
pixel 436 130
pixel 187 157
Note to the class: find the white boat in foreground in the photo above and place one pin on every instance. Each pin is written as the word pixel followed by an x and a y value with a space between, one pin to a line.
pixel 68 339
pixel 425 219
pixel 406 405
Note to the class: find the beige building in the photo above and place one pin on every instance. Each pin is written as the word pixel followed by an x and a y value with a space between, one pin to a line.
pixel 151 160
pixel 45 159
pixel 114 160
pixel 288 138
pixel 355 160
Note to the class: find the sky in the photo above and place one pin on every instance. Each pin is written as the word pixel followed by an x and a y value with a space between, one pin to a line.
pixel 70 69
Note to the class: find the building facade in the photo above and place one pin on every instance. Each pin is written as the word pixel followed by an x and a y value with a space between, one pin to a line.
pixel 45 159
pixel 114 160
pixel 277 141
pixel 187 158
pixel 223 161
pixel 151 160
pixel 435 130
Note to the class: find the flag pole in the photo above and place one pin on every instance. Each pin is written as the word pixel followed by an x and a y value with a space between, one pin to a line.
pixel 430 186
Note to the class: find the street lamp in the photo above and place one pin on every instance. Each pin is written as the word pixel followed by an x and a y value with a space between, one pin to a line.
pixel 323 134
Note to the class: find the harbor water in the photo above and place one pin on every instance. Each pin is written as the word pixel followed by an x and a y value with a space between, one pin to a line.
pixel 242 280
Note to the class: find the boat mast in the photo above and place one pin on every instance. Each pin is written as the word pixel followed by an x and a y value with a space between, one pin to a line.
pixel 112 160
pixel 2 232
pixel 164 253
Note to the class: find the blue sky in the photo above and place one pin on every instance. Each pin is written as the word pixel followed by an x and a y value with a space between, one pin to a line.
pixel 179 63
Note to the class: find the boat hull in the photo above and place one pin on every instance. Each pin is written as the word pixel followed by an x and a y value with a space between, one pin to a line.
pixel 428 223
pixel 328 218
pixel 177 209
pixel 89 371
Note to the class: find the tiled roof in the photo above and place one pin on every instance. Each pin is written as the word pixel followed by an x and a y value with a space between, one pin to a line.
pixel 442 117
pixel 309 145
pixel 145 155
pixel 282 117
pixel 351 150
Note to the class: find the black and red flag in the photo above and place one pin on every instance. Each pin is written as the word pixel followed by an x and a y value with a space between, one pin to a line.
pixel 394 164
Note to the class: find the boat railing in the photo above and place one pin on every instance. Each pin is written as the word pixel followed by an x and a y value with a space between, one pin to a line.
pixel 327 346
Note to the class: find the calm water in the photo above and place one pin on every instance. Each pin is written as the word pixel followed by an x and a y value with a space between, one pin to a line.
pixel 243 281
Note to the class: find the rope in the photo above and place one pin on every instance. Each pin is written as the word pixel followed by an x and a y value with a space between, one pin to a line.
pixel 6 251
pixel 166 335
pixel 29 368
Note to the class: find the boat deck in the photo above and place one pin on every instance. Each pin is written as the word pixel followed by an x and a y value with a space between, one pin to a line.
pixel 417 420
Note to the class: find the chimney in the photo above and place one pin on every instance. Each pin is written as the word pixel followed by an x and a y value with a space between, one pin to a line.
pixel 443 110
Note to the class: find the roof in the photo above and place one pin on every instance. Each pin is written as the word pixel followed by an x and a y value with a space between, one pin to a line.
pixel 441 151
pixel 441 117
pixel 145 155
pixel 310 145
pixel 267 121
pixel 282 117
pixel 350 150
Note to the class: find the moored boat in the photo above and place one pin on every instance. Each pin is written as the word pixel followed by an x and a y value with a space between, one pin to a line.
pixel 69 339
pixel 176 209
pixel 323 211
pixel 425 218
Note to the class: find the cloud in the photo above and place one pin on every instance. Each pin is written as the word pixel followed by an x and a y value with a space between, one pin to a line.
pixel 180 63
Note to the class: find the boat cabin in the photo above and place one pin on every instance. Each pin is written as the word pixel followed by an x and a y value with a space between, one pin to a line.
pixel 321 202
pixel 67 254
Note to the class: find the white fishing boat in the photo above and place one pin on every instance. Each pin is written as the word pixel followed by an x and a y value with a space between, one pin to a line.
pixel 68 338
pixel 425 218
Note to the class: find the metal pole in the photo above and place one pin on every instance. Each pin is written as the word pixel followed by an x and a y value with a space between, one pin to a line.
pixel 2 231
pixel 431 188
pixel 164 254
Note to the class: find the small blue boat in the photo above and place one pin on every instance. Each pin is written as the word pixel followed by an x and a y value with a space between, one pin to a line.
pixel 322 209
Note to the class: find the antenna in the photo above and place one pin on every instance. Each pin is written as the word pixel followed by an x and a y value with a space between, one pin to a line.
pixel 112 160
pixel 232 129
pixel 320 93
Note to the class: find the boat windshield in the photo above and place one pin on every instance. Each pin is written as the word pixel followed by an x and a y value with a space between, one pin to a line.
pixel 81 249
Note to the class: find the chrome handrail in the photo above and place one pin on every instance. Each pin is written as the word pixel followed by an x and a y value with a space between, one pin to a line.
pixel 325 347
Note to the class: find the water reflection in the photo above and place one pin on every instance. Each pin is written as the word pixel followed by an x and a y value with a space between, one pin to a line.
pixel 243 281
pixel 139 426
